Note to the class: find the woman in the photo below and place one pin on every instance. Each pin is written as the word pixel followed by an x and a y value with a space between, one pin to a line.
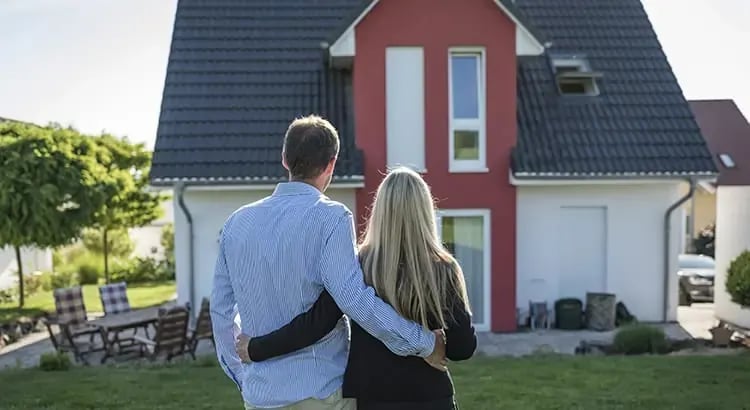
pixel 404 261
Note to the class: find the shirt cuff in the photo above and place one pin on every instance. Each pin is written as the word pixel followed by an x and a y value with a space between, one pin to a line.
pixel 429 344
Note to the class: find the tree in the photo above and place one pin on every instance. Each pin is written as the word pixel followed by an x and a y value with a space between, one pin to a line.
pixel 51 187
pixel 131 205
pixel 167 241
pixel 119 243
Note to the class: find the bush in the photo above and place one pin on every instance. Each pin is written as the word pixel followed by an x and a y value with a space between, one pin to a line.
pixel 119 243
pixel 738 279
pixel 54 361
pixel 52 281
pixel 142 270
pixel 88 274
pixel 641 339
pixel 32 283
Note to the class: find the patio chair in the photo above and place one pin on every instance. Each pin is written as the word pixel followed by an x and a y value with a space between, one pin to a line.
pixel 539 315
pixel 72 320
pixel 202 329
pixel 114 297
pixel 171 334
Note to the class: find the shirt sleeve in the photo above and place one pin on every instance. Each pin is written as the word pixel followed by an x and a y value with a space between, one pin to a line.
pixel 222 319
pixel 343 279
pixel 461 338
pixel 304 330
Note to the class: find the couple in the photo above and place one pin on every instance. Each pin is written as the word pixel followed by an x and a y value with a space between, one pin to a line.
pixel 289 265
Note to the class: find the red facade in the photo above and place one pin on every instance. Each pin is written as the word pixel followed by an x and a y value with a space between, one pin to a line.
pixel 437 26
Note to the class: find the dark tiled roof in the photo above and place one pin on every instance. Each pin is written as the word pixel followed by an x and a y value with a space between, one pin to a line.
pixel 726 131
pixel 639 125
pixel 240 70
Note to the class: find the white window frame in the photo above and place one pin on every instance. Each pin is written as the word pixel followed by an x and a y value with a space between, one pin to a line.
pixel 487 280
pixel 480 124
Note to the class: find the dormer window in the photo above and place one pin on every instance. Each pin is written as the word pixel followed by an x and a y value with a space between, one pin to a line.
pixel 574 76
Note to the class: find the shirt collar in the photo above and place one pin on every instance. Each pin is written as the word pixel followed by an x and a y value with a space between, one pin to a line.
pixel 295 188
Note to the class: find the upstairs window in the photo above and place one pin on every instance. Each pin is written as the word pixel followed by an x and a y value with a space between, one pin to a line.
pixel 574 76
pixel 467 111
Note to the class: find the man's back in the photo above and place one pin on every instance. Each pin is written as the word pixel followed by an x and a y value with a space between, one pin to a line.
pixel 273 249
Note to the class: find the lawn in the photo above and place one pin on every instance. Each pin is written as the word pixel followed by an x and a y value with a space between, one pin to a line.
pixel 647 382
pixel 140 295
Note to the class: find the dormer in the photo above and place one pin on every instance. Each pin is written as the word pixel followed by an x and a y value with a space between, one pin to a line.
pixel 574 76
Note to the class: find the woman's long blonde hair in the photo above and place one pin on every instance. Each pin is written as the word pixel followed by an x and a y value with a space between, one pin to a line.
pixel 402 257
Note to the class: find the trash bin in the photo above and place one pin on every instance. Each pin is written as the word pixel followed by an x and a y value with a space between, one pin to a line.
pixel 600 311
pixel 569 314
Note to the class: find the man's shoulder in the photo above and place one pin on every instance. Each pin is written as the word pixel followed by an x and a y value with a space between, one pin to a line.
pixel 330 208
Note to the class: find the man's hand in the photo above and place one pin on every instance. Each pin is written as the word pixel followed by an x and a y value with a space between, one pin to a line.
pixel 437 359
pixel 241 346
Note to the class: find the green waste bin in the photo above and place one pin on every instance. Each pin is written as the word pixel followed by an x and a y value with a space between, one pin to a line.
pixel 569 314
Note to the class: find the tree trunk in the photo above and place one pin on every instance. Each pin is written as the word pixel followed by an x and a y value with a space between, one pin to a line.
pixel 105 248
pixel 20 277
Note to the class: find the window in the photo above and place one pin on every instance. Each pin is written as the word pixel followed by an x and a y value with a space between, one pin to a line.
pixel 467 111
pixel 465 233
pixel 726 160
pixel 574 76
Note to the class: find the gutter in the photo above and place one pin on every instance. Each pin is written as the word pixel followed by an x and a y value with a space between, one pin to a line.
pixel 191 241
pixel 667 243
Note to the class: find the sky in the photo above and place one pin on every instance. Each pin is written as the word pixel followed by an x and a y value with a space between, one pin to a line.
pixel 99 65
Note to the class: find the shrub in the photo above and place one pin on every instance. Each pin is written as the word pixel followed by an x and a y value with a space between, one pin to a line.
pixel 54 361
pixel 738 279
pixel 141 270
pixel 51 281
pixel 32 283
pixel 88 274
pixel 119 243
pixel 641 339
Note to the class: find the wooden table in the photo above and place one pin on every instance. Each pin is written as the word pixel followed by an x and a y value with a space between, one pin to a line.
pixel 113 325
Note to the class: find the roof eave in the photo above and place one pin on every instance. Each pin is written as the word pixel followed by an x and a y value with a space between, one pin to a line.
pixel 521 178
pixel 264 180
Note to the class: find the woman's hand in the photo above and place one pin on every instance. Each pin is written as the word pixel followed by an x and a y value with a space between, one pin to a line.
pixel 241 345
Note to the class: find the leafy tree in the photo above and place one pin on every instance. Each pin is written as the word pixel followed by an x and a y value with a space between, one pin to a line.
pixel 131 205
pixel 167 241
pixel 704 243
pixel 119 243
pixel 51 187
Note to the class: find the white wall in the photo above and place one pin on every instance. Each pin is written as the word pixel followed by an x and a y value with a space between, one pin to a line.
pixel 209 210
pixel 32 260
pixel 732 237
pixel 634 226
pixel 147 237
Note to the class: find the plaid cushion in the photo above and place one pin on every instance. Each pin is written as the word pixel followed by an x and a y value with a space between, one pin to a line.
pixel 115 298
pixel 69 305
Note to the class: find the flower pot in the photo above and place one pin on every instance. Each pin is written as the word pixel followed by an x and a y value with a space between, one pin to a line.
pixel 721 336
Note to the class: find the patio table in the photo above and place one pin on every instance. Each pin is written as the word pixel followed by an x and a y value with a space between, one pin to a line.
pixel 113 325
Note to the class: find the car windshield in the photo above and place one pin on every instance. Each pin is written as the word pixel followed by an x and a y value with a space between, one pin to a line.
pixel 696 262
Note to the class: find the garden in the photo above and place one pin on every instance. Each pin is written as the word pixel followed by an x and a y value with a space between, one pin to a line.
pixel 77 195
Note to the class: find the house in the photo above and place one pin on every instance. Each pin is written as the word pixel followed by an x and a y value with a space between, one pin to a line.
pixel 727 133
pixel 553 133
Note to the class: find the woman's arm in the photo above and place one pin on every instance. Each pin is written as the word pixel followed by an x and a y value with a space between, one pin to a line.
pixel 461 339
pixel 304 330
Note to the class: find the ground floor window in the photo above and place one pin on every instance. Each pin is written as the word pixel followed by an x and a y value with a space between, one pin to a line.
pixel 465 233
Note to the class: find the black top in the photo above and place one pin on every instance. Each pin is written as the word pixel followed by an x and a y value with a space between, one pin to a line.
pixel 374 373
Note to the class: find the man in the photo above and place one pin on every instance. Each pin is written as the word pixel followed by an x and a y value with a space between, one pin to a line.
pixel 275 258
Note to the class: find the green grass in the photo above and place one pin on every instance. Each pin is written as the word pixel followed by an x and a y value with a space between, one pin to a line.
pixel 646 382
pixel 139 294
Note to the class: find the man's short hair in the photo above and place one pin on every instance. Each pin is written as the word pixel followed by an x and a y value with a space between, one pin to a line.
pixel 310 144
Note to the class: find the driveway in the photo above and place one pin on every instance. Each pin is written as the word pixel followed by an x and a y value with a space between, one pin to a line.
pixel 697 319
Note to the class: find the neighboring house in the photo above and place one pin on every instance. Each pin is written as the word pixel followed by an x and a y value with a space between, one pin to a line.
pixel 727 132
pixel 553 133
pixel 147 239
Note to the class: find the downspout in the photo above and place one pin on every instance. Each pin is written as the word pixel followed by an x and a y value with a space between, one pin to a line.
pixel 667 243
pixel 191 242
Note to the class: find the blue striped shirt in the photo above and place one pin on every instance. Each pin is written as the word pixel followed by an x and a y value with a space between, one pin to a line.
pixel 275 258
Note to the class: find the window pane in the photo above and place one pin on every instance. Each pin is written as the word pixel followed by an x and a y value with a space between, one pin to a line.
pixel 466 145
pixel 465 83
pixel 463 236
